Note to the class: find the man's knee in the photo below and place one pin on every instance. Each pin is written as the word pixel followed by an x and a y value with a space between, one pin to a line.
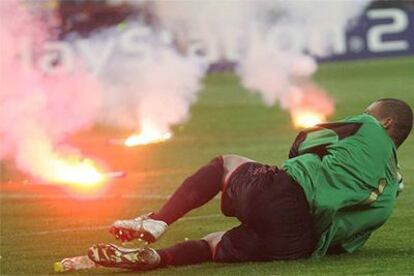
pixel 231 162
pixel 213 239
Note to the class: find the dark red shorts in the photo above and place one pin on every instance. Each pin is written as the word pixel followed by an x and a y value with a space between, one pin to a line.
pixel 275 218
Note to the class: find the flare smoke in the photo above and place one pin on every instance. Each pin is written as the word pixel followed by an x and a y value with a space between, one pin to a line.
pixel 148 76
pixel 147 82
pixel 38 110
pixel 271 41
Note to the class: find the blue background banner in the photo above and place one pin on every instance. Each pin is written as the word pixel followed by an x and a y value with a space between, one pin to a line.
pixel 379 33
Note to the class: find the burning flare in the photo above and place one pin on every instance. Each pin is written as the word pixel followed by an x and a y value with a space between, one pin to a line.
pixel 310 106
pixel 80 173
pixel 306 119
pixel 149 135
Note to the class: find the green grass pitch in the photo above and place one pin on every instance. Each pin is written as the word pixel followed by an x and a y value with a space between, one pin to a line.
pixel 36 232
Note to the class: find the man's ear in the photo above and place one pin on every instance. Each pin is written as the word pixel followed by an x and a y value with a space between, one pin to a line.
pixel 387 122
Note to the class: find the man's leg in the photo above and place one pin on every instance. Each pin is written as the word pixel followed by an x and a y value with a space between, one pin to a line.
pixel 195 191
pixel 199 188
pixel 184 253
pixel 190 252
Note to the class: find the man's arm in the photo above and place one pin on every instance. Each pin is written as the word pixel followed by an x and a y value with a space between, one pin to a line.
pixel 313 140
pixel 317 139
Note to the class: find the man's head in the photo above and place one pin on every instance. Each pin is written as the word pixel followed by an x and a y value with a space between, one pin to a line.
pixel 395 115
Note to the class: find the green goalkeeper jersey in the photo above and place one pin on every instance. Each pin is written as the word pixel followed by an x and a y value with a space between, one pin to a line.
pixel 348 171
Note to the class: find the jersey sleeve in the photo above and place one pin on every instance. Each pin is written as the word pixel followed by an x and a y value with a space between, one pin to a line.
pixel 312 141
pixel 317 139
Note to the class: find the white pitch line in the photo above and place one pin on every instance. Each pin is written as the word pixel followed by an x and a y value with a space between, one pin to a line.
pixel 65 230
pixel 95 228
pixel 57 196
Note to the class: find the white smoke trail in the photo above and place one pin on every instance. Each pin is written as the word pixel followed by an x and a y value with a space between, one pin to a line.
pixel 147 82
pixel 38 110
pixel 276 63
pixel 270 40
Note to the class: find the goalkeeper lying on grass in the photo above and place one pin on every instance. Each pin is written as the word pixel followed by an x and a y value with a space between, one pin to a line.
pixel 339 185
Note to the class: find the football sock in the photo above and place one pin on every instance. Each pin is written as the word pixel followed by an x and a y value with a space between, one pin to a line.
pixel 185 253
pixel 195 191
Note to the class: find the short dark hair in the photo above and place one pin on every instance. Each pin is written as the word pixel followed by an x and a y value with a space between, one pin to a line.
pixel 402 115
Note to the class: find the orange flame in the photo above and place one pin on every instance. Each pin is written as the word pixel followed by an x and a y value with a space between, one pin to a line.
pixel 306 119
pixel 78 173
pixel 310 106
pixel 149 135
